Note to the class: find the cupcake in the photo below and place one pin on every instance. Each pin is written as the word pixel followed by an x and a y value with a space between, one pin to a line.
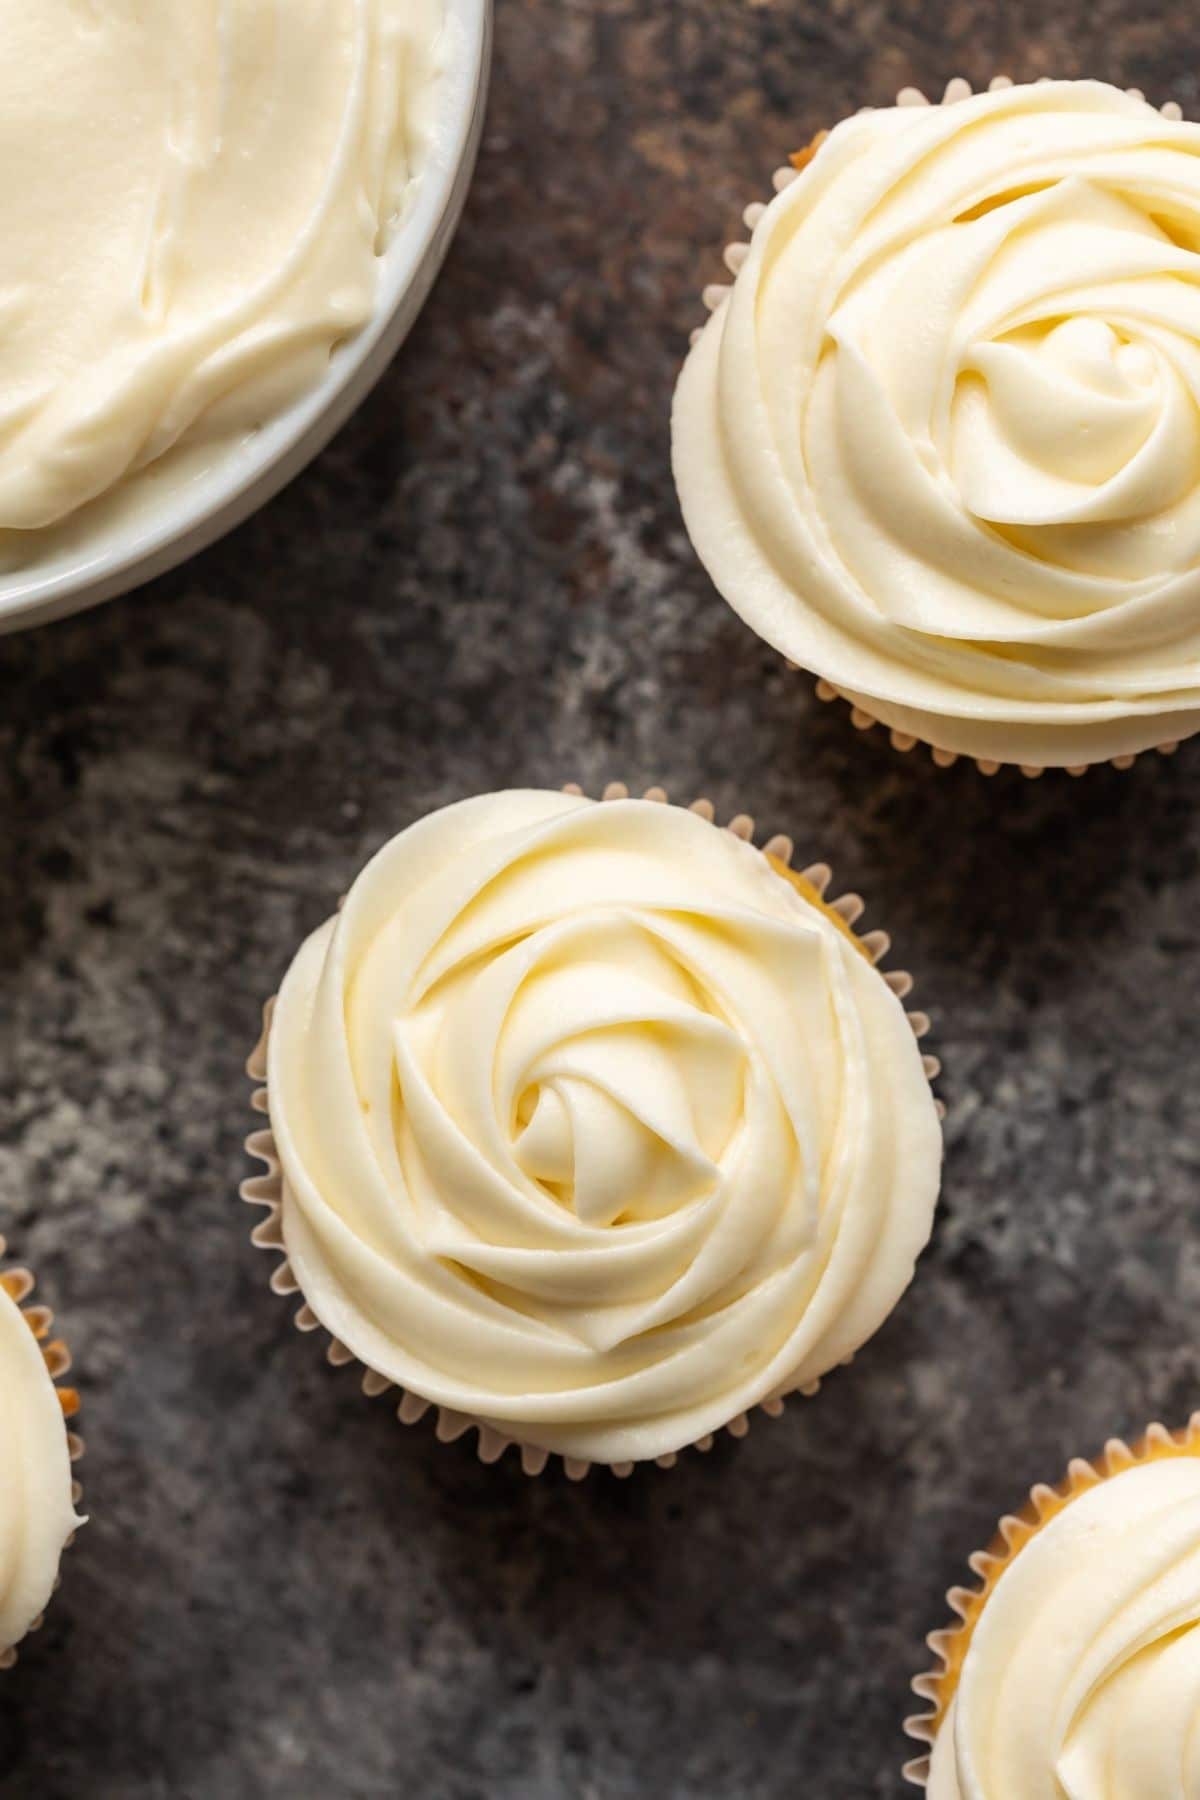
pixel 593 1126
pixel 1076 1667
pixel 37 1494
pixel 940 442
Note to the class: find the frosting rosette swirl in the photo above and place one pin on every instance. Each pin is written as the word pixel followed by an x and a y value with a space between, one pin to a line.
pixel 1082 1678
pixel 37 1514
pixel 592 1128
pixel 941 443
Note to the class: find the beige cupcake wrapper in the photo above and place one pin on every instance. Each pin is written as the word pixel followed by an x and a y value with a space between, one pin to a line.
pixel 18 1283
pixel 949 1645
pixel 733 256
pixel 905 741
pixel 267 1190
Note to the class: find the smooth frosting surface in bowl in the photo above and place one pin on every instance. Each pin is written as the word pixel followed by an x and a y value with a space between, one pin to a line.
pixel 215 477
pixel 193 200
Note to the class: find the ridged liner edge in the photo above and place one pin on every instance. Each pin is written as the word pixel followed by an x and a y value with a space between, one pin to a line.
pixel 19 1284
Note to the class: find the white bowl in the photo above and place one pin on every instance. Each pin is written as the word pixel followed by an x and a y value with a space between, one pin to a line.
pixel 125 551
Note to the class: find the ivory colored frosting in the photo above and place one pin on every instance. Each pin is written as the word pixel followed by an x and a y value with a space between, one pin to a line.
pixel 941 445
pixel 592 1128
pixel 36 1513
pixel 193 200
pixel 1082 1680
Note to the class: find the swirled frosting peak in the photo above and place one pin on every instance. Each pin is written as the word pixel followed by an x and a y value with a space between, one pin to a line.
pixel 36 1511
pixel 1082 1678
pixel 941 444
pixel 192 197
pixel 592 1127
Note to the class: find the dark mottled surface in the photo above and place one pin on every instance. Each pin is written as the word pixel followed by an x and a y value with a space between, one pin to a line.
pixel 485 581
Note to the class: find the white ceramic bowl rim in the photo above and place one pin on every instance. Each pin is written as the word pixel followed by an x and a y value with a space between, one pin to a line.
pixel 131 551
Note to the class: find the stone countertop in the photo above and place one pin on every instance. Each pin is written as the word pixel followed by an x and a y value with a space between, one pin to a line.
pixel 484 581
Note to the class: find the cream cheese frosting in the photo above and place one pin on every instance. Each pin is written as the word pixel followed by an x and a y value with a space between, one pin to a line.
pixel 1082 1678
pixel 941 442
pixel 592 1128
pixel 194 197
pixel 36 1511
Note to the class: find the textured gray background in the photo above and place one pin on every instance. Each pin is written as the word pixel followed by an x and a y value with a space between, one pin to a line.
pixel 484 581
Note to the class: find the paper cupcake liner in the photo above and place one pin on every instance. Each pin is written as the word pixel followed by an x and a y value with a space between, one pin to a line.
pixel 267 1190
pixel 18 1284
pixel 733 256
pixel 905 741
pixel 950 1645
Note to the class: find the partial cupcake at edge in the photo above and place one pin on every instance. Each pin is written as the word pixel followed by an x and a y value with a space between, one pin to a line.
pixel 38 1493
pixel 593 1126
pixel 939 444
pixel 1073 1667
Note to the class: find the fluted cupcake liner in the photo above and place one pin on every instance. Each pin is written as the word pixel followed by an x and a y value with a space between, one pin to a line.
pixel 18 1284
pixel 733 256
pixel 905 741
pixel 267 1190
pixel 937 1686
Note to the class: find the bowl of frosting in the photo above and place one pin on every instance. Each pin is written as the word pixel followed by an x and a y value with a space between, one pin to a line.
pixel 218 222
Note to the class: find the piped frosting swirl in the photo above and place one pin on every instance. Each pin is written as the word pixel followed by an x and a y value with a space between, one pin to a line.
pixel 592 1128
pixel 941 444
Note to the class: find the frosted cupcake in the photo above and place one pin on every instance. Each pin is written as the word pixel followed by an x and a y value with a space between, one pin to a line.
pixel 940 443
pixel 37 1495
pixel 1076 1669
pixel 594 1127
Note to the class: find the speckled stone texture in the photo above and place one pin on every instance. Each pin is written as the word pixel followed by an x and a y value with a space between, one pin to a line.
pixel 282 1592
